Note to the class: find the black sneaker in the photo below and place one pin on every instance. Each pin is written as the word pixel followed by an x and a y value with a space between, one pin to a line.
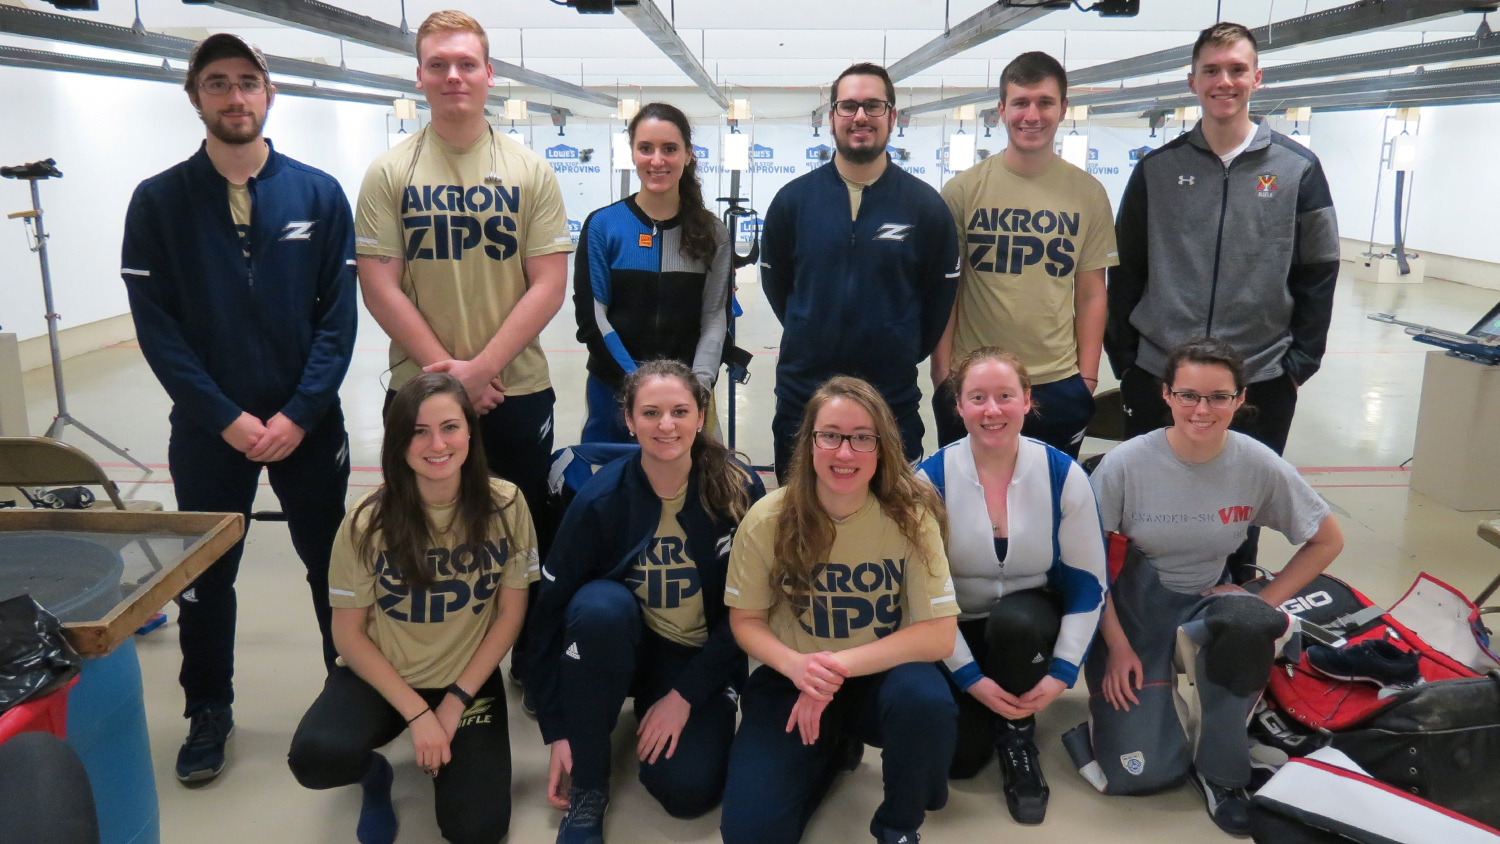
pixel 1026 791
pixel 1229 807
pixel 201 757
pixel 1376 661
pixel 584 822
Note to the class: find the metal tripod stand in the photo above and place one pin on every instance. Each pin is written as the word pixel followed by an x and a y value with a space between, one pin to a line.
pixel 33 173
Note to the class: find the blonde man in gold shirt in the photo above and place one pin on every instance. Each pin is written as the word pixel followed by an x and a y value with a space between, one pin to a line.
pixel 462 246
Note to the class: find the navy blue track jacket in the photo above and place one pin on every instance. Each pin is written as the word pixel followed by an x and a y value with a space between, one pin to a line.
pixel 270 335
pixel 868 298
pixel 601 537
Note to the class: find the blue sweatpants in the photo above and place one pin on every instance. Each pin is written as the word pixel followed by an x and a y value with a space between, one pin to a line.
pixel 605 422
pixel 617 656
pixel 776 782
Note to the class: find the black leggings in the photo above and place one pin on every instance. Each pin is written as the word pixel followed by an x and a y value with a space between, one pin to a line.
pixel 1013 647
pixel 334 743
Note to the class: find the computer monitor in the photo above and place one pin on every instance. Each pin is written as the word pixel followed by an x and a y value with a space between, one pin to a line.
pixel 1488 326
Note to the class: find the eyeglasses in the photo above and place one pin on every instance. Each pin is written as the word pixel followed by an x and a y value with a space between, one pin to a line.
pixel 849 108
pixel 220 86
pixel 1217 401
pixel 830 440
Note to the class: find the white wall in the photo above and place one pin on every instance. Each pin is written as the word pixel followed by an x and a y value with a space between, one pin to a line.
pixel 1452 197
pixel 107 135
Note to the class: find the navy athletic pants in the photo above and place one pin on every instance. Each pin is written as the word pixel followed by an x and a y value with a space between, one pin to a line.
pixel 776 782
pixel 210 475
pixel 613 655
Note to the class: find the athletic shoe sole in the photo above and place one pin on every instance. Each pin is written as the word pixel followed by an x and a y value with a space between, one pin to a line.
pixel 203 777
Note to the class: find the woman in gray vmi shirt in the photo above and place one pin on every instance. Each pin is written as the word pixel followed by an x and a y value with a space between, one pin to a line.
pixel 1185 496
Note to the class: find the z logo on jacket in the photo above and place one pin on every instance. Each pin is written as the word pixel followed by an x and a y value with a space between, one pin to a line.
pixel 298 230
pixel 893 231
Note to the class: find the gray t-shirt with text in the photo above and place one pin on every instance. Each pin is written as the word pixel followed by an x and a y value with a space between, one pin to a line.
pixel 1187 518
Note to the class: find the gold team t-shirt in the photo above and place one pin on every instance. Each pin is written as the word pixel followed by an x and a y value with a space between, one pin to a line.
pixel 873 584
pixel 464 240
pixel 665 580
pixel 429 635
pixel 856 194
pixel 1023 239
pixel 239 211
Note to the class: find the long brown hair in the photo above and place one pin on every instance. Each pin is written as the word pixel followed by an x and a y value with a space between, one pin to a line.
pixel 697 221
pixel 805 531
pixel 396 511
pixel 721 483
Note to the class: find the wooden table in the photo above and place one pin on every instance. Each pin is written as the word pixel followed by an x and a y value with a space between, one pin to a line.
pixel 161 553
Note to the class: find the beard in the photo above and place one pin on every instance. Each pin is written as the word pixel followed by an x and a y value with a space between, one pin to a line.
pixel 230 134
pixel 857 155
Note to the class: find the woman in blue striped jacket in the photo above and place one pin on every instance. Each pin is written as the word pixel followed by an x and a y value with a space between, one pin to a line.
pixel 1027 557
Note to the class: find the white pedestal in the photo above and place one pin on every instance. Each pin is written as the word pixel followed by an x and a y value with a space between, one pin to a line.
pixel 12 398
pixel 1387 271
pixel 1457 457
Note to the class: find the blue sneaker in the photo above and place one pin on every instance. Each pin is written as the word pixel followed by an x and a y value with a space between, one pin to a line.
pixel 584 822
pixel 1376 661
pixel 1228 807
pixel 202 756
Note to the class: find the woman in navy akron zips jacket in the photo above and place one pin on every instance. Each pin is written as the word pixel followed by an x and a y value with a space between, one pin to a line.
pixel 632 604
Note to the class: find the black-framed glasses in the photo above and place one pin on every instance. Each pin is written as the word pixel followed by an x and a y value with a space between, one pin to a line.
pixel 1217 401
pixel 873 108
pixel 831 440
pixel 220 86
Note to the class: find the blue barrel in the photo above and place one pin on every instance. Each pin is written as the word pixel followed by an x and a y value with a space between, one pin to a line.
pixel 107 728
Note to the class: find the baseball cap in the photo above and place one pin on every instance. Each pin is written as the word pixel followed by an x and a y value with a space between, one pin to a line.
pixel 222 46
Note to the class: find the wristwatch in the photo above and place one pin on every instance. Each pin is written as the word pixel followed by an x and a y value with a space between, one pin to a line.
pixel 463 697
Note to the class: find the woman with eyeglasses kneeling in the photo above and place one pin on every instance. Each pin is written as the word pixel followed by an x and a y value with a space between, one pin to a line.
pixel 1184 496
pixel 838 584
pixel 632 605
pixel 1028 563
pixel 428 586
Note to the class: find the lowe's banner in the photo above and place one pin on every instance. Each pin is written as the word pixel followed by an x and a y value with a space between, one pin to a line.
pixel 1113 153
pixel 581 160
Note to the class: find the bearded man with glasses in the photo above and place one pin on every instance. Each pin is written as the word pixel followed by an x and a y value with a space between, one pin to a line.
pixel 239 264
pixel 859 260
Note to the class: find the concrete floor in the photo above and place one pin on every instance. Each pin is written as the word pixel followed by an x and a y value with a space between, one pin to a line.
pixel 1355 426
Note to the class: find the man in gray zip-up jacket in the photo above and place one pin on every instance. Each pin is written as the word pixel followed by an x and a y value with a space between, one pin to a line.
pixel 1226 232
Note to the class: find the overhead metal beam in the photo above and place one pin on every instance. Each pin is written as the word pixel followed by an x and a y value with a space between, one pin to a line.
pixel 987 24
pixel 654 25
pixel 1352 19
pixel 991 95
pixel 1285 96
pixel 329 20
pixel 55 27
pixel 1442 96
pixel 1453 49
pixel 44 60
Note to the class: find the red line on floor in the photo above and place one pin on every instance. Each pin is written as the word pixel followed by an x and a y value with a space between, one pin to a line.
pixel 1355 486
pixel 1318 470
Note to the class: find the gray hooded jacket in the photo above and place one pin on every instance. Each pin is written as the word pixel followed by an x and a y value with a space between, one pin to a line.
pixel 1247 253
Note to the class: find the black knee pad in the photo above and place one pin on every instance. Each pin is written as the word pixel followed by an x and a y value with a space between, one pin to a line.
pixel 1241 646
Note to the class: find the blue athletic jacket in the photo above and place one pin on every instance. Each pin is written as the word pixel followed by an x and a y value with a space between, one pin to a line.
pixel 270 335
pixel 602 535
pixel 868 298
